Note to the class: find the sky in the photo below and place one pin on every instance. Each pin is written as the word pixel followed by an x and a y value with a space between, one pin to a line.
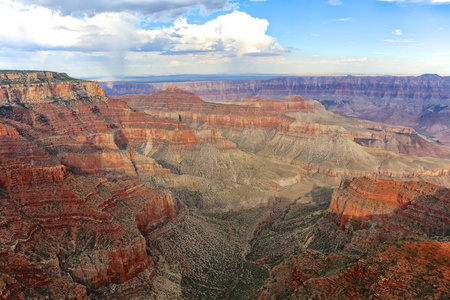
pixel 109 39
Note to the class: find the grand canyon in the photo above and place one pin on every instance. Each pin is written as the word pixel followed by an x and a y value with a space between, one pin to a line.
pixel 288 188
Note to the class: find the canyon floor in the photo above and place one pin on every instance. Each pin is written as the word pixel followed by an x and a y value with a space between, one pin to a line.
pixel 166 196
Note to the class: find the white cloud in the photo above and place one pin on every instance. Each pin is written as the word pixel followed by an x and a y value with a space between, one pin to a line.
pixel 353 59
pixel 398 41
pixel 335 2
pixel 155 8
pixel 175 63
pixel 36 28
pixel 234 34
pixel 110 43
pixel 397 32
pixel 338 20
pixel 215 61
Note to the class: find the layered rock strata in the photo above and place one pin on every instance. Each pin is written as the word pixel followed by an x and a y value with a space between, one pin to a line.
pixel 383 210
pixel 379 238
pixel 66 234
pixel 414 269
pixel 421 102
pixel 303 133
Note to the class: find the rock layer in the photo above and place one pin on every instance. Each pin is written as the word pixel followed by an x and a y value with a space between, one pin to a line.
pixel 382 210
pixel 302 132
pixel 379 238
pixel 404 269
pixel 64 232
pixel 421 102
pixel 78 218
pixel 29 87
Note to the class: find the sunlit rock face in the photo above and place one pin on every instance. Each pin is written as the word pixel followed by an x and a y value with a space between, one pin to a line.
pixel 68 235
pixel 30 87
pixel 77 126
pixel 420 102
pixel 418 206
pixel 72 236
pixel 391 243
pixel 166 196
pixel 303 133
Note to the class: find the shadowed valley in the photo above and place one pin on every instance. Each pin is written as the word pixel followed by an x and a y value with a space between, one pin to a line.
pixel 166 196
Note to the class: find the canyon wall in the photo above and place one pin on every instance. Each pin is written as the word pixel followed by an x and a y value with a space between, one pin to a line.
pixel 378 239
pixel 420 102
pixel 172 197
pixel 29 87
pixel 383 89
pixel 406 207
pixel 66 235
pixel 303 133
pixel 64 232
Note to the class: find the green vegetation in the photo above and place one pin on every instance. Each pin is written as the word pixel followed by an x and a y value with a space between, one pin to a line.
pixel 22 77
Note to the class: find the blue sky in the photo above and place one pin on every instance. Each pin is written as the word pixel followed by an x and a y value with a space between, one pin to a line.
pixel 111 38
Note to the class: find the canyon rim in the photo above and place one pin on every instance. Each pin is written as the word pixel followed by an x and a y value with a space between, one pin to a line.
pixel 167 196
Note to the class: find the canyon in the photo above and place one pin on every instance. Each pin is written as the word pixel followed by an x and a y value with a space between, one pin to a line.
pixel 420 102
pixel 167 196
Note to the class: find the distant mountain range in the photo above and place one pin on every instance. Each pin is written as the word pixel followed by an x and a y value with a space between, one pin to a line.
pixel 420 102
pixel 166 196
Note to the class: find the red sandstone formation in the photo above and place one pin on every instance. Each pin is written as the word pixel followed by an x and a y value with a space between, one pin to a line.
pixel 408 269
pixel 290 115
pixel 285 105
pixel 30 87
pixel 363 199
pixel 189 108
pixel 421 102
pixel 54 225
pixel 326 146
pixel 388 225
pixel 85 131
pixel 380 210
pixel 67 235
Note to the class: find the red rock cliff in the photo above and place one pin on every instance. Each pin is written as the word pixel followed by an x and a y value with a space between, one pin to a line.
pixel 54 224
pixel 379 210
pixel 30 87
pixel 421 102
pixel 189 108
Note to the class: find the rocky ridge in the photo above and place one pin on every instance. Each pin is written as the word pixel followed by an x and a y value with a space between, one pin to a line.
pixel 102 201
pixel 29 87
pixel 420 102
pixel 302 133
pixel 378 239
pixel 65 234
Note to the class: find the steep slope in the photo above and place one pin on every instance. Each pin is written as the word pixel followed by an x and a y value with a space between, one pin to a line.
pixel 419 102
pixel 361 247
pixel 71 236
pixel 30 87
pixel 208 201
pixel 62 234
pixel 387 209
pixel 303 133
pixel 67 121
pixel 404 269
